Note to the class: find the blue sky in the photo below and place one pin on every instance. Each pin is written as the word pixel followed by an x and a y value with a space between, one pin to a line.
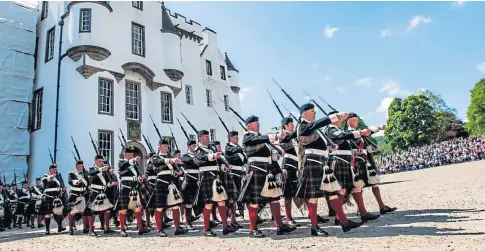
pixel 356 55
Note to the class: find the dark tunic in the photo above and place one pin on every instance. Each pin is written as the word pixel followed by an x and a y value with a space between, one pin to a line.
pixel 237 158
pixel 290 164
pixel 208 172
pixel 228 181
pixel 99 181
pixel 52 192
pixel 37 192
pixel 165 176
pixel 189 185
pixel 314 159
pixel 13 200
pixel 151 177
pixel 24 202
pixel 129 182
pixel 78 190
pixel 363 159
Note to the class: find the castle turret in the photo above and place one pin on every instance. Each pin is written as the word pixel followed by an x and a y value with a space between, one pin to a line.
pixel 171 38
pixel 233 75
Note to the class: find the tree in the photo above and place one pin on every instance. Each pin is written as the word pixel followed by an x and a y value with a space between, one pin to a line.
pixel 410 122
pixel 476 110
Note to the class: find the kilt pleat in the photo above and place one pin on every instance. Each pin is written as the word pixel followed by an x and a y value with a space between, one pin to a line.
pixel 291 183
pixel 189 189
pixel 230 185
pixel 205 188
pixel 47 205
pixel 161 191
pixel 342 171
pixel 21 206
pixel 126 187
pixel 311 177
pixel 252 193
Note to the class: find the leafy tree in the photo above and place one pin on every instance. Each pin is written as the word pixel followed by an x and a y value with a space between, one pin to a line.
pixel 476 110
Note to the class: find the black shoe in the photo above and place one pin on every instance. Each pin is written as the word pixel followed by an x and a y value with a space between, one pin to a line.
pixel 40 225
pixel 256 234
pixel 166 220
pixel 117 223
pixel 101 228
pixel 166 225
pixel 61 229
pixel 322 220
pixel 143 231
pixel 236 226
pixel 194 218
pixel 32 226
pixel 2 229
pixel 190 227
pixel 85 231
pixel 20 227
pixel 229 230
pixel 47 232
pixel 259 221
pixel 387 209
pixel 93 234
pixel 318 232
pixel 161 234
pixel 181 231
pixel 285 229
pixel 123 234
pixel 209 233
pixel 108 231
pixel 351 225
pixel 213 224
pixel 337 222
pixel 9 227
pixel 71 231
pixel 369 217
pixel 292 223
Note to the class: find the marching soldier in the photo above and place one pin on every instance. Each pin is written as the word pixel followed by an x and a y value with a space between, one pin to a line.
pixel 131 191
pixel 211 188
pixel 3 207
pixel 317 178
pixel 23 207
pixel 51 199
pixel 261 178
pixel 367 167
pixel 78 179
pixel 238 160
pixel 190 182
pixel 151 177
pixel 111 192
pixel 13 201
pixel 37 191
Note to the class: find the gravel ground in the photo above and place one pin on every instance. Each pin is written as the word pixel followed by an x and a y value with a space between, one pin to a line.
pixel 440 208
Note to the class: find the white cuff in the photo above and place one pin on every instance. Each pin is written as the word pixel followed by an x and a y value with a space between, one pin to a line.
pixel 131 162
pixel 333 118
pixel 167 161
pixel 369 149
pixel 374 129
pixel 272 137
pixel 356 134
pixel 211 156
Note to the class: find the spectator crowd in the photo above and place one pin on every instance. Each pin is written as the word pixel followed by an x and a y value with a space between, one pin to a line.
pixel 457 150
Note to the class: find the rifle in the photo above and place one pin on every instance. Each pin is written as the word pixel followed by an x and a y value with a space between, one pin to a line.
pixel 312 100
pixel 121 142
pixel 222 122
pixel 274 102
pixel 156 128
pixel 291 114
pixel 298 107
pixel 123 137
pixel 96 149
pixel 75 159
pixel 183 130
pixel 75 148
pixel 50 155
pixel 150 147
pixel 173 137
pixel 14 178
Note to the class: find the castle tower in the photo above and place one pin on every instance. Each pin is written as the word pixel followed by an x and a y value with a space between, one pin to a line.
pixel 171 38
pixel 233 75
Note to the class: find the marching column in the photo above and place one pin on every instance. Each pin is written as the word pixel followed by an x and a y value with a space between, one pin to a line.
pixel 78 196
pixel 51 200
pixel 189 184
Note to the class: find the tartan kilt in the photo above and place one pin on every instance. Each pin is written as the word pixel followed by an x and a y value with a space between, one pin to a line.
pixel 251 192
pixel 205 193
pixel 160 197
pixel 30 209
pixel 150 204
pixel 73 197
pixel 47 205
pixel 230 185
pixel 343 173
pixel 189 189
pixel 20 208
pixel 291 183
pixel 126 187
pixel 361 170
pixel 311 177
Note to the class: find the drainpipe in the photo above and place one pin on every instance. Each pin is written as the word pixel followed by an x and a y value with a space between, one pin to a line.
pixel 61 24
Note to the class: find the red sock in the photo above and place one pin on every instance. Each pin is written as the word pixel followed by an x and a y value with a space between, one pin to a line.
pixel 106 220
pixel 122 221
pixel 139 221
pixel 70 217
pixel 85 222
pixel 91 223
pixel 40 219
pixel 275 211
pixel 233 214
pixel 158 221
pixel 188 215
pixel 206 214
pixel 223 214
pixel 341 199
pixel 339 211
pixel 312 210
pixel 360 203
pixel 176 218
pixel 253 216
pixel 377 193
pixel 288 209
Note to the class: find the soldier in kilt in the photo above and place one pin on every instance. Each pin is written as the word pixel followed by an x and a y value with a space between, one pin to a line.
pixel 167 195
pixel 13 202
pixel 132 191
pixel 211 188
pixel 23 209
pixel 262 174
pixel 345 172
pixel 317 178
pixel 366 164
pixel 52 203
pixel 112 191
pixel 78 197
pixel 237 158
pixel 189 184
pixel 37 191
pixel 3 207
pixel 151 178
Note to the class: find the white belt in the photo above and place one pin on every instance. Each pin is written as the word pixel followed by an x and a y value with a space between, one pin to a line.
pixel 260 159
pixel 56 189
pixel 128 178
pixel 317 152
pixel 164 181
pixel 341 152
pixel 78 189
pixel 154 177
pixel 291 156
pixel 238 168
pixel 164 172
pixel 208 168
pixel 193 171
pixel 354 151
pixel 98 187
pixel 24 197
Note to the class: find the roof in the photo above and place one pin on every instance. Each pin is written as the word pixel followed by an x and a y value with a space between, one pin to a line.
pixel 229 64
pixel 167 25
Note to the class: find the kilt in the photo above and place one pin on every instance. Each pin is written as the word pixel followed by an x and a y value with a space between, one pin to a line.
pixel 21 207
pixel 47 205
pixel 311 177
pixel 93 195
pixel 291 182
pixel 343 173
pixel 189 189
pixel 160 197
pixel 205 192
pixel 230 185
pixel 251 192
pixel 30 209
pixel 73 195
pixel 151 201
pixel 126 187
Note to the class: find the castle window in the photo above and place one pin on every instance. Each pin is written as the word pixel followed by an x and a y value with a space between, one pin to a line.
pixel 208 67
pixel 166 107
pixel 45 10
pixel 105 99
pixel 106 144
pixel 137 4
pixel 192 137
pixel 223 73
pixel 85 20
pixel 208 95
pixel 37 109
pixel 171 143
pixel 132 98
pixel 49 44
pixel 212 133
pixel 226 103
pixel 138 39
pixel 188 95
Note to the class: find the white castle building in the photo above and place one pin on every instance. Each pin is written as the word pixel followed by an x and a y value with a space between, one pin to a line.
pixel 102 67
